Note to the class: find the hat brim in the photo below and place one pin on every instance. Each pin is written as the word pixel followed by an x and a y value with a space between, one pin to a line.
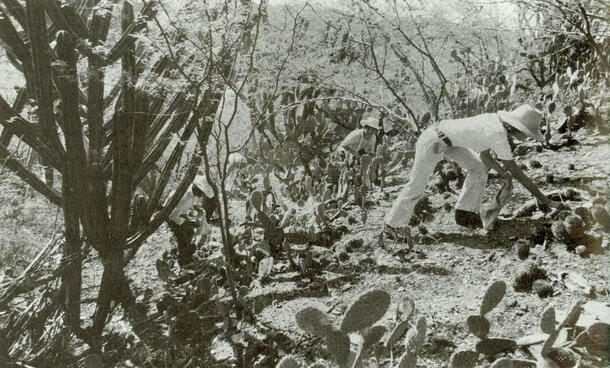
pixel 508 119
pixel 371 125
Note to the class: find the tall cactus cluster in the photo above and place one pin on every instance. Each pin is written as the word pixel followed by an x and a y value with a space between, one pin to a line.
pixel 102 141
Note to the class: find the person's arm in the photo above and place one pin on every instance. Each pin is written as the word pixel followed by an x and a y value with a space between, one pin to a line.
pixel 493 164
pixel 518 174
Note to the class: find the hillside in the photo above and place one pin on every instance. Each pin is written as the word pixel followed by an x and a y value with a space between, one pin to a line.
pixel 114 252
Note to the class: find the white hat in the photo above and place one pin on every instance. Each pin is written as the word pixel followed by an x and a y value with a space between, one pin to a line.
pixel 202 184
pixel 371 121
pixel 524 118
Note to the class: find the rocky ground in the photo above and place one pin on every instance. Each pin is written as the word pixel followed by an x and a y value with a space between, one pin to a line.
pixel 450 268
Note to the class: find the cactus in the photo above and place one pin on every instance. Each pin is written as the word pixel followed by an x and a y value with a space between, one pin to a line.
pixel 366 310
pixel 398 331
pixel 495 346
pixel 265 266
pixel 542 288
pixel 360 316
pixel 600 215
pixel 560 233
pixel 513 363
pixel 527 274
pixel 464 359
pixel 288 361
pixel 338 344
pixel 318 365
pixel 408 360
pixel 414 340
pixel 493 296
pixel 575 226
pixel 404 312
pixel 314 322
pixel 478 325
pixel 373 336
pixel 256 198
pixel 547 321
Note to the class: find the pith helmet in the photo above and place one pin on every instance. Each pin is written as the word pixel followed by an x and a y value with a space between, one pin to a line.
pixel 371 121
pixel 524 118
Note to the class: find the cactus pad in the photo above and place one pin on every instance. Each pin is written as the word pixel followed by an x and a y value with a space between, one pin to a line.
pixel 366 310
pixel 256 198
pixel 288 362
pixel 493 296
pixel 408 360
pixel 513 363
pixel 478 325
pixel 495 346
pixel 338 345
pixel 318 365
pixel 397 332
pixel 373 336
pixel 314 321
pixel 464 359
pixel 547 321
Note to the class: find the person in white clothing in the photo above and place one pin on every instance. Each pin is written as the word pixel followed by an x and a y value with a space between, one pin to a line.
pixel 362 140
pixel 187 230
pixel 349 152
pixel 472 143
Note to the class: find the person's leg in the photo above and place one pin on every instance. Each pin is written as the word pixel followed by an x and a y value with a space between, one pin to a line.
pixel 471 195
pixel 426 157
pixel 184 238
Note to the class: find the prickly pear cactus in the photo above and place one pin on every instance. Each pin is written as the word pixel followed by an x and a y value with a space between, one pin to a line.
pixel 495 346
pixel 398 331
pixel 478 325
pixel 366 310
pixel 318 365
pixel 373 336
pixel 547 321
pixel 338 345
pixel 464 359
pixel 289 362
pixel 493 296
pixel 256 198
pixel 408 360
pixel 314 322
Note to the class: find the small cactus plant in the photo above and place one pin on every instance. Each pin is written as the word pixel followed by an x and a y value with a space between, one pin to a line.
pixel 289 361
pixel 359 318
pixel 414 340
pixel 479 326
pixel 365 311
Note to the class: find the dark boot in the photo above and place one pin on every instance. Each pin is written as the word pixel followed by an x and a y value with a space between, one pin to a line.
pixel 468 219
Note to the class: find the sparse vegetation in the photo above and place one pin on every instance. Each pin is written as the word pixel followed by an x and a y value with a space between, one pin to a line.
pixel 118 105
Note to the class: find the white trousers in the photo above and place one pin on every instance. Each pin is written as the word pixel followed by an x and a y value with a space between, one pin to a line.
pixel 429 150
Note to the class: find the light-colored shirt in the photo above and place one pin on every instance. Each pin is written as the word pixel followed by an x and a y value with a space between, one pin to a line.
pixel 183 207
pixel 357 141
pixel 479 133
